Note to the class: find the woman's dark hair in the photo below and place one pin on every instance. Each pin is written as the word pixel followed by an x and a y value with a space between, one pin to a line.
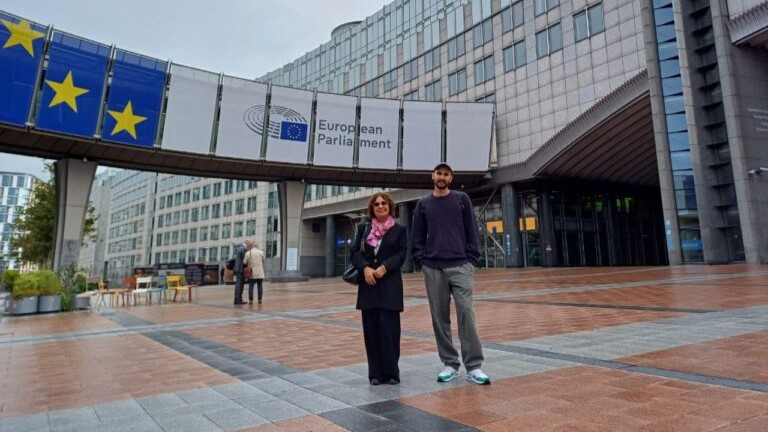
pixel 387 197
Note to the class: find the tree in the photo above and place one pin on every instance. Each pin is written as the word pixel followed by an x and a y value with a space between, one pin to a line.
pixel 36 224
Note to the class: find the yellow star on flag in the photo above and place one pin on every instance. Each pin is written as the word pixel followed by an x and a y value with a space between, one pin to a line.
pixel 66 92
pixel 22 34
pixel 126 120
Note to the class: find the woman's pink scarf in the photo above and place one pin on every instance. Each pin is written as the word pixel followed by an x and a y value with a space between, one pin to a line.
pixel 378 230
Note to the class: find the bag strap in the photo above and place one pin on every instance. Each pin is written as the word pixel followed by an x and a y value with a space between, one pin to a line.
pixel 366 229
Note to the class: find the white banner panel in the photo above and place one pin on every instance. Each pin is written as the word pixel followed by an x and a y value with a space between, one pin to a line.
pixel 289 117
pixel 191 106
pixel 379 124
pixel 241 118
pixel 468 136
pixel 422 130
pixel 335 130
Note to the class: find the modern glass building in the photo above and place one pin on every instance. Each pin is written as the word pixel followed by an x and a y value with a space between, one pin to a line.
pixel 15 193
pixel 627 132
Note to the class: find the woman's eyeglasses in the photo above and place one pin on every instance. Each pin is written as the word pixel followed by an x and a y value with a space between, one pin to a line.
pixel 380 203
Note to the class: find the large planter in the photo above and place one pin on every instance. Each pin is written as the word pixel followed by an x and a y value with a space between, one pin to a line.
pixel 49 303
pixel 82 302
pixel 22 306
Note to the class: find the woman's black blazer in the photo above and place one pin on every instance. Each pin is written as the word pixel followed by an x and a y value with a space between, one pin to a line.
pixel 388 291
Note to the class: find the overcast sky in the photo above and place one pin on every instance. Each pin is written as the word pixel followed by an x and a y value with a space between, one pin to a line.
pixel 244 38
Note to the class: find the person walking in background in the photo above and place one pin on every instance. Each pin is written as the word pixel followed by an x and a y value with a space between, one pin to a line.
pixel 446 244
pixel 378 253
pixel 255 259
pixel 239 267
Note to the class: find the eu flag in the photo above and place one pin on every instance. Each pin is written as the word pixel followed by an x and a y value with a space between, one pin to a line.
pixel 20 57
pixel 73 86
pixel 291 131
pixel 135 99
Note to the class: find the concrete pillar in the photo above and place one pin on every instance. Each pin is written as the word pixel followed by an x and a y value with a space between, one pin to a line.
pixel 330 246
pixel 547 230
pixel 74 178
pixel 510 213
pixel 404 214
pixel 291 195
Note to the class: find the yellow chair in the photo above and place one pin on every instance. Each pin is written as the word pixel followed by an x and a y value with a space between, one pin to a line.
pixel 102 294
pixel 174 283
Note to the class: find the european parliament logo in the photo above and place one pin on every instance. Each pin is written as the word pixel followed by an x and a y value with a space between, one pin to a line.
pixel 284 123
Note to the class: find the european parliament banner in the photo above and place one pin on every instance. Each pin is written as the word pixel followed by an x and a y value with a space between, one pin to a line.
pixel 379 127
pixel 422 132
pixel 74 84
pixel 335 130
pixel 191 107
pixel 468 135
pixel 20 57
pixel 135 99
pixel 241 118
pixel 288 135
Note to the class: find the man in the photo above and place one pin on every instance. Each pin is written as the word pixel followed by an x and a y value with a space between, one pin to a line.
pixel 446 244
pixel 239 267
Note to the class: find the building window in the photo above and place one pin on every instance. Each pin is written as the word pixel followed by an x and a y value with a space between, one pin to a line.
pixel 251 206
pixel 320 191
pixel 214 232
pixel 512 17
pixel 483 33
pixel 390 80
pixel 203 233
pixel 187 196
pixel 514 56
pixel 414 95
pixel 432 59
pixel 549 40
pixel 250 227
pixel 456 47
pixel 224 252
pixel 228 187
pixel 212 254
pixel 491 97
pixel 272 200
pixel 215 211
pixel 206 192
pixel 484 70
pixel 588 22
pixel 457 82
pixel 226 231
pixel 372 88
pixel 433 92
pixel 240 186
pixel 541 6
pixel 192 235
pixel 410 70
pixel 239 206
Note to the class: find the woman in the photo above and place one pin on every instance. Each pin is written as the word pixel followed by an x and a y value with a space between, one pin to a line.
pixel 379 252
pixel 255 259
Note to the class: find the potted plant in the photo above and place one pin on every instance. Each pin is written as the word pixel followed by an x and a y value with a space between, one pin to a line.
pixel 49 291
pixel 24 295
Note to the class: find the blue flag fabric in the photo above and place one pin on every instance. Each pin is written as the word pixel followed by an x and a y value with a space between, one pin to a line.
pixel 291 131
pixel 21 51
pixel 73 86
pixel 135 99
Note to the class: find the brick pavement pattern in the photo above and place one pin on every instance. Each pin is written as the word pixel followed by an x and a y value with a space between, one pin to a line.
pixel 568 349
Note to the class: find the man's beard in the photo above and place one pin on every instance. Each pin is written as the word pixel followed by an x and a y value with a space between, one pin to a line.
pixel 441 184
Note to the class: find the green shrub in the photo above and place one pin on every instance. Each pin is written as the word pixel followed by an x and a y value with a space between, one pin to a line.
pixel 48 283
pixel 25 286
pixel 9 279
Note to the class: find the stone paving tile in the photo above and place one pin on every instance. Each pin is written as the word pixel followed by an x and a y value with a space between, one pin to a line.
pixel 321 346
pixel 742 357
pixel 528 346
pixel 98 370
pixel 582 398
pixel 180 312
pixel 14 328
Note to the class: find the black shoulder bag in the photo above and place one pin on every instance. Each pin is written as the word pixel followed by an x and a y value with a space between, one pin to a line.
pixel 352 275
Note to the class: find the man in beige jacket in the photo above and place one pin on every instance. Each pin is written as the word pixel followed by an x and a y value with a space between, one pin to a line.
pixel 255 259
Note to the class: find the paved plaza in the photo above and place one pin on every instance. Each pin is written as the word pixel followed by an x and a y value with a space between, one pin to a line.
pixel 568 349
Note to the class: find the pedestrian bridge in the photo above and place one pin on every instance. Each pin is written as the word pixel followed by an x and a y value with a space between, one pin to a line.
pixel 68 97
pixel 85 103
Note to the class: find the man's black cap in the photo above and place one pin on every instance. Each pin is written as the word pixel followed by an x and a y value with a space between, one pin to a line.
pixel 443 165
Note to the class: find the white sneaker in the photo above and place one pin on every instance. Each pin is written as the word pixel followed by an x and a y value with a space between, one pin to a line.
pixel 447 374
pixel 477 376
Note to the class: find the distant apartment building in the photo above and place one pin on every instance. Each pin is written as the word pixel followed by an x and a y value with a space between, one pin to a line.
pixel 16 190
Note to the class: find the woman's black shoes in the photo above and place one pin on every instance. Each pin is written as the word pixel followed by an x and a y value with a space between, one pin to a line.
pixel 393 381
pixel 374 381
